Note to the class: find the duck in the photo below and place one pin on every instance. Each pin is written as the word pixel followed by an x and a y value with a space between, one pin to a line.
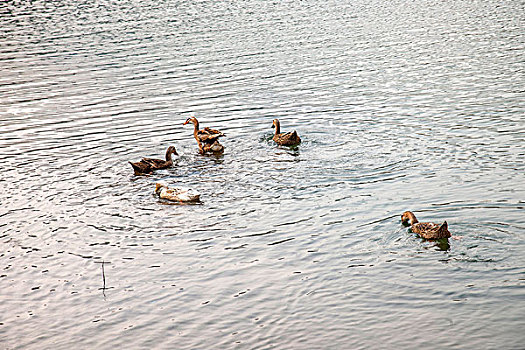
pixel 207 138
pixel 216 148
pixel 285 139
pixel 427 230
pixel 146 165
pixel 182 195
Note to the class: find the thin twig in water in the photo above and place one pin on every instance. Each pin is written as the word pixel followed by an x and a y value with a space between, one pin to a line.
pixel 103 276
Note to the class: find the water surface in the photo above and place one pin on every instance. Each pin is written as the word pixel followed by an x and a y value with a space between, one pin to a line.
pixel 404 105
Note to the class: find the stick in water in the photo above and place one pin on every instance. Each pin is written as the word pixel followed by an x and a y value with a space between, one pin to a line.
pixel 103 276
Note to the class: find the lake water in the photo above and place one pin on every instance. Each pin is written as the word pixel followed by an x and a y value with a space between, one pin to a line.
pixel 401 105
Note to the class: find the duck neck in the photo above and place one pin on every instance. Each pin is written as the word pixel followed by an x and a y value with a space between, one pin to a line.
pixel 277 127
pixel 196 128
pixel 168 156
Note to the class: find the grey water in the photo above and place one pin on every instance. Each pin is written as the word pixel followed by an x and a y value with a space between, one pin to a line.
pixel 401 105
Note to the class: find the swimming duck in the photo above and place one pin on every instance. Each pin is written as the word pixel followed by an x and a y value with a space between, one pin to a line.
pixel 147 165
pixel 207 138
pixel 427 230
pixel 182 195
pixel 216 147
pixel 285 139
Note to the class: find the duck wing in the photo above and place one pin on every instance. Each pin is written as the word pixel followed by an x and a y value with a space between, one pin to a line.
pixel 208 135
pixel 156 163
pixel 430 230
pixel 179 195
pixel 213 131
pixel 188 195
pixel 287 139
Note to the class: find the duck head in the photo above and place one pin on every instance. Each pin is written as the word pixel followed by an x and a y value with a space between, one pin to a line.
pixel 159 186
pixel 172 150
pixel 192 120
pixel 408 218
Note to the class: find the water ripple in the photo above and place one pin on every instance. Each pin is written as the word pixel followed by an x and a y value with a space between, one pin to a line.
pixel 401 106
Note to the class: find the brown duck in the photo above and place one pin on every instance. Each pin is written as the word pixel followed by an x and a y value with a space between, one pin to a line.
pixel 207 138
pixel 427 230
pixel 285 139
pixel 147 165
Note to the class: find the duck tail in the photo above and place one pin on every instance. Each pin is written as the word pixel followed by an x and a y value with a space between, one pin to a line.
pixel 443 230
pixel 138 170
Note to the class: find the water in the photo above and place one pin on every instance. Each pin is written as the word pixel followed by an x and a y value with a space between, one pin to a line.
pixel 401 105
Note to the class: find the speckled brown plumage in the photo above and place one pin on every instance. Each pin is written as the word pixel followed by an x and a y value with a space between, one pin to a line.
pixel 285 139
pixel 207 138
pixel 146 166
pixel 427 230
